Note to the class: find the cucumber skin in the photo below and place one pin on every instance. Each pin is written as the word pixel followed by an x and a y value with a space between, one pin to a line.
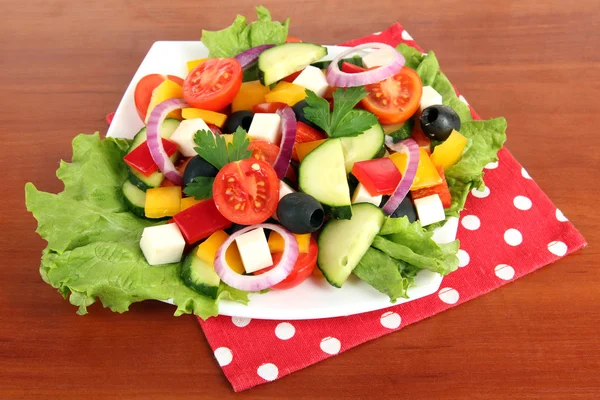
pixel 202 289
pixel 135 210
pixel 261 72
pixel 341 212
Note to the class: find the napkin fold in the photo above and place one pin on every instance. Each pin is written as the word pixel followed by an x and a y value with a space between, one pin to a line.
pixel 506 231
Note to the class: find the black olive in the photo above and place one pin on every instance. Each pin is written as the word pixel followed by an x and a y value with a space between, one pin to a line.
pixel 405 209
pixel 238 118
pixel 234 228
pixel 300 213
pixel 299 111
pixel 198 166
pixel 437 122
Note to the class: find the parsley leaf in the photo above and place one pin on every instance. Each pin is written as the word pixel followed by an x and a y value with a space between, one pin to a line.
pixel 238 148
pixel 344 120
pixel 200 188
pixel 217 152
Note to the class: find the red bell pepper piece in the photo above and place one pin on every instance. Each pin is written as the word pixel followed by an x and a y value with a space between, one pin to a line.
pixel 351 68
pixel 441 189
pixel 378 176
pixel 305 133
pixel 200 221
pixel 141 159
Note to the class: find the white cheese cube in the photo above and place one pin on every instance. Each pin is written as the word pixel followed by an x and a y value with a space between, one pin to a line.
pixel 362 195
pixel 162 244
pixel 430 209
pixel 284 189
pixel 266 127
pixel 184 135
pixel 312 78
pixel 430 97
pixel 378 57
pixel 254 250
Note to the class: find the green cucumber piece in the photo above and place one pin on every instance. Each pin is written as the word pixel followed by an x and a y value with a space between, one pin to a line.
pixel 280 61
pixel 200 276
pixel 365 146
pixel 355 60
pixel 135 198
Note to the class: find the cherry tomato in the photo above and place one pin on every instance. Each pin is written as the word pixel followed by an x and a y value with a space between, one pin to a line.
pixel 213 84
pixel 246 192
pixel 351 68
pixel 305 133
pixel 419 136
pixel 266 151
pixel 293 39
pixel 268 108
pixel 305 264
pixel 144 88
pixel 395 99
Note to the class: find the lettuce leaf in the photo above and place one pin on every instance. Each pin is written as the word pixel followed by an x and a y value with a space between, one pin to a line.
pixel 383 273
pixel 241 36
pixel 93 241
pixel 412 56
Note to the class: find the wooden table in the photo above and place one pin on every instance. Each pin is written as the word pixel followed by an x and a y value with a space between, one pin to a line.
pixel 65 66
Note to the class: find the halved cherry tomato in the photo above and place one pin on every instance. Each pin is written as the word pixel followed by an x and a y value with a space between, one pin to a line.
pixel 246 192
pixel 144 88
pixel 419 136
pixel 395 99
pixel 213 84
pixel 305 264
pixel 268 108
pixel 351 68
pixel 305 133
pixel 266 151
pixel 441 190
pixel 293 39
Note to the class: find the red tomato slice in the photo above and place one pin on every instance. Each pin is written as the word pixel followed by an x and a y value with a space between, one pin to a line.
pixel 351 68
pixel 305 133
pixel 213 84
pixel 303 268
pixel 395 99
pixel 246 192
pixel 266 151
pixel 293 39
pixel 268 108
pixel 419 137
pixel 442 190
pixel 144 88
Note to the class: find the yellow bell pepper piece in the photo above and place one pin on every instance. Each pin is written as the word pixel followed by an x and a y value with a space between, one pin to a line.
pixel 163 202
pixel 250 94
pixel 194 63
pixel 228 137
pixel 166 90
pixel 302 149
pixel 276 242
pixel 207 251
pixel 427 175
pixel 210 117
pixel 287 93
pixel 448 153
pixel 187 202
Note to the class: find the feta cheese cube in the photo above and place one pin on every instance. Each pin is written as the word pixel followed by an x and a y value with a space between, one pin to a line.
pixel 162 244
pixel 362 195
pixel 266 127
pixel 312 78
pixel 430 97
pixel 379 57
pixel 254 250
pixel 184 135
pixel 284 189
pixel 430 209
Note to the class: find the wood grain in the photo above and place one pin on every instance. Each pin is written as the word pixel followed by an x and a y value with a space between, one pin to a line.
pixel 65 65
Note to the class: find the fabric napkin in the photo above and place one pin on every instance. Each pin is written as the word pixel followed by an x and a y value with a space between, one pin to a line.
pixel 506 231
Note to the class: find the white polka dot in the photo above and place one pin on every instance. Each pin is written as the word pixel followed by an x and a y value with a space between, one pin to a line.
pixel 522 203
pixel 223 356
pixel 331 345
pixel 377 33
pixel 492 165
pixel 525 173
pixel 560 216
pixel 240 321
pixel 390 320
pixel 462 98
pixel 406 36
pixel 481 193
pixel 448 295
pixel 463 258
pixel 513 237
pixel 557 248
pixel 268 372
pixel 285 331
pixel 471 222
pixel 504 271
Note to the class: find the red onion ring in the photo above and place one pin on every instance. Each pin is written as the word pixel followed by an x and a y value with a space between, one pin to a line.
pixel 153 138
pixel 272 277
pixel 337 78
pixel 250 56
pixel 412 148
pixel 288 138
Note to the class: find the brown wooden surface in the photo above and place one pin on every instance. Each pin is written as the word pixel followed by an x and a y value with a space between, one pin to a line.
pixel 65 65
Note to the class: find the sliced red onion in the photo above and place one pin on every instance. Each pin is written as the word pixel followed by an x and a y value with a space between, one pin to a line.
pixel 338 78
pixel 272 277
pixel 412 148
pixel 250 56
pixel 288 138
pixel 160 157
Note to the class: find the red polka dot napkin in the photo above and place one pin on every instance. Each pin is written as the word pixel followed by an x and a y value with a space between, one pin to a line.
pixel 506 231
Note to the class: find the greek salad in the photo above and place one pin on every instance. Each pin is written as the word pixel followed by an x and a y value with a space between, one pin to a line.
pixel 263 166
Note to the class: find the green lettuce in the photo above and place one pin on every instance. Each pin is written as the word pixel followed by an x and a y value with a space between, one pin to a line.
pixel 241 36
pixel 384 273
pixel 93 240
pixel 412 56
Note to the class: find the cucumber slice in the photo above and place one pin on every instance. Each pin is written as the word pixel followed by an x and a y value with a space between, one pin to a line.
pixel 200 276
pixel 322 175
pixel 365 146
pixel 168 127
pixel 356 60
pixel 135 198
pixel 280 61
pixel 343 243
